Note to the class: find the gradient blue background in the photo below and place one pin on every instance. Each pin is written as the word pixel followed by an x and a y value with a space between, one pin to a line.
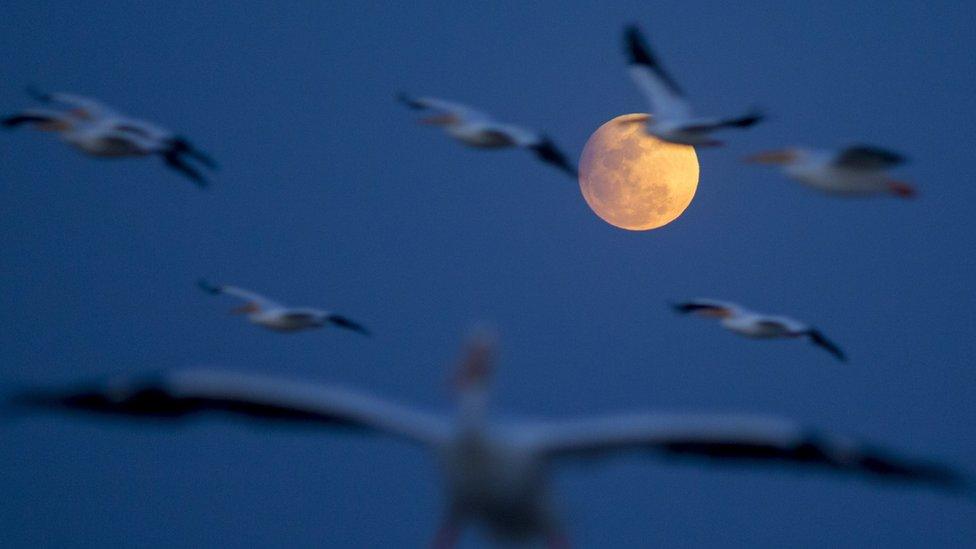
pixel 331 195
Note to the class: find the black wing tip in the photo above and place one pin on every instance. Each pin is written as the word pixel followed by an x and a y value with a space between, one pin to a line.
pixel 681 307
pixel 636 46
pixel 408 100
pixel 889 156
pixel 349 324
pixel 206 286
pixel 752 118
pixel 547 151
pixel 820 340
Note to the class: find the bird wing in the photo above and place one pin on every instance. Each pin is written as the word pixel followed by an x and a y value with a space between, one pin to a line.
pixel 464 112
pixel 706 304
pixel 666 98
pixel 93 108
pixel 185 394
pixel 864 157
pixel 246 295
pixel 32 116
pixel 347 323
pixel 744 439
pixel 818 339
pixel 749 119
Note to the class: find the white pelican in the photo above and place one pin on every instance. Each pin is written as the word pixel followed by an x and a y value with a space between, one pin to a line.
pixel 277 317
pixel 742 321
pixel 671 115
pixel 856 170
pixel 496 474
pixel 99 131
pixel 477 129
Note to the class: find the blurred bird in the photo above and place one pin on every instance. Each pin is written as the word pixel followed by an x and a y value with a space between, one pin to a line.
pixel 496 473
pixel 476 129
pixel 671 116
pixel 99 131
pixel 742 321
pixel 279 318
pixel 858 170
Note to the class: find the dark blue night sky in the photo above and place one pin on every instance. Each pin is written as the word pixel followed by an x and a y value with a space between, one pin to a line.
pixel 331 195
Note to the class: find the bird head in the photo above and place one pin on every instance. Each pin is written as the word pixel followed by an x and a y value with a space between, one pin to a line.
pixel 477 362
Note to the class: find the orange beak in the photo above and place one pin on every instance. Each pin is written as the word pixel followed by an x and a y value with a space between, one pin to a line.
pixel 785 156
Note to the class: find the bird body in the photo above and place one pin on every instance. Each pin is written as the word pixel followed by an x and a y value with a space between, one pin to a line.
pixel 99 131
pixel 496 474
pixel 858 170
pixel 745 322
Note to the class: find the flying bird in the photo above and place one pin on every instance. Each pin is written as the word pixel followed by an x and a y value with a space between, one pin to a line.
pixel 742 321
pixel 496 474
pixel 671 116
pixel 859 170
pixel 99 131
pixel 277 317
pixel 477 129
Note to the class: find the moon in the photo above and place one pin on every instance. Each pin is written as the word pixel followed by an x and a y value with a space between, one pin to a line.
pixel 633 180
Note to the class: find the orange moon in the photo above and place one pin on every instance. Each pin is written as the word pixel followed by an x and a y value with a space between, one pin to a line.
pixel 633 180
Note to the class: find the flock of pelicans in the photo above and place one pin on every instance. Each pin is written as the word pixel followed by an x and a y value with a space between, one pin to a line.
pixel 495 473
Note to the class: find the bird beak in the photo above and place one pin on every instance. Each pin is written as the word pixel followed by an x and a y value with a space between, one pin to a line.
pixel 438 120
pixel 772 157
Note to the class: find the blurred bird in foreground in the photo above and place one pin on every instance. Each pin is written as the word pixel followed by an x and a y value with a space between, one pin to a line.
pixel 671 116
pixel 277 317
pixel 99 131
pixel 858 170
pixel 742 321
pixel 496 474
pixel 476 129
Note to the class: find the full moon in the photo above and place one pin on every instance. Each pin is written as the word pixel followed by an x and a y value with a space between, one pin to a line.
pixel 633 180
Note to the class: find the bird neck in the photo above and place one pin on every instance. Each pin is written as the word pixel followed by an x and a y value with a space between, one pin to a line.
pixel 473 409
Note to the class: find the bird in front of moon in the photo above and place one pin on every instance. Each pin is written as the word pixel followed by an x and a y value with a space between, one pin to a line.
pixel 633 180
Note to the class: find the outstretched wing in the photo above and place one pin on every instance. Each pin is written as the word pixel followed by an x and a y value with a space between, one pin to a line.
pixel 749 119
pixel 247 295
pixel 432 103
pixel 865 157
pixel 731 439
pixel 186 394
pixel 88 106
pixel 704 305
pixel 31 116
pixel 666 98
